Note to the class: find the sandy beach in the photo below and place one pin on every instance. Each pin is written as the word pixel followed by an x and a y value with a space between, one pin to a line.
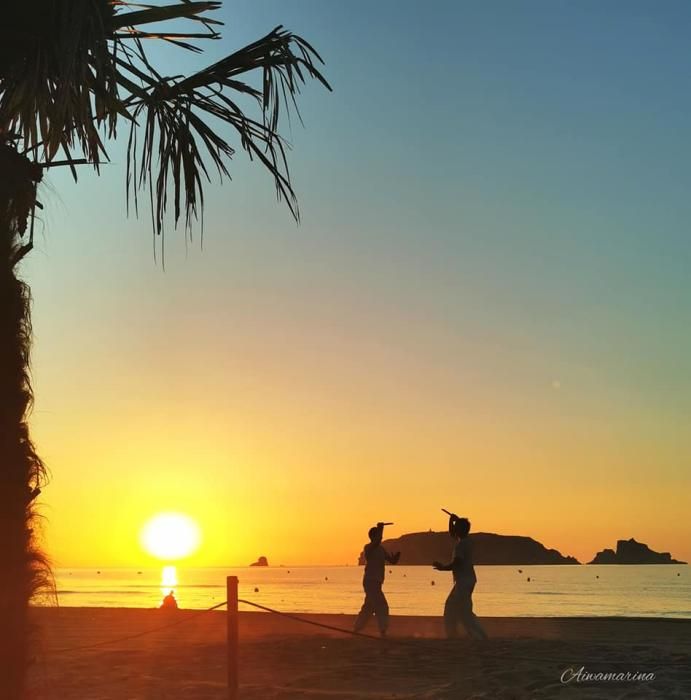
pixel 280 658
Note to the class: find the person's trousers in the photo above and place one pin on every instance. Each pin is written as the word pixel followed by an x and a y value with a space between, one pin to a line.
pixel 375 604
pixel 459 608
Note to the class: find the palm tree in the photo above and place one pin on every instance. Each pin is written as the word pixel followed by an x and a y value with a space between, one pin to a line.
pixel 71 72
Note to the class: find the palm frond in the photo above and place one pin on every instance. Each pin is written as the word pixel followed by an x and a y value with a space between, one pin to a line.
pixel 58 83
pixel 170 156
pixel 71 72
pixel 187 10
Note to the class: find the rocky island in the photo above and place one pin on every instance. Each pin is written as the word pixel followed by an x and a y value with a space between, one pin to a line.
pixel 422 548
pixel 262 561
pixel 632 552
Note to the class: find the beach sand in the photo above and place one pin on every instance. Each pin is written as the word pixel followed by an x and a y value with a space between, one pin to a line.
pixel 280 658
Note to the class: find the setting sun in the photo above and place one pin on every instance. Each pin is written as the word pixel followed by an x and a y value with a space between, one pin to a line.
pixel 170 536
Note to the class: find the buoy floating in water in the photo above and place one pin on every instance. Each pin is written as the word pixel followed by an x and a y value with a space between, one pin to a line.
pixel 433 583
pixel 256 590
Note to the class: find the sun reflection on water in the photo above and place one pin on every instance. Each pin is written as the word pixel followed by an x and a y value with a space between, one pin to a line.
pixel 169 580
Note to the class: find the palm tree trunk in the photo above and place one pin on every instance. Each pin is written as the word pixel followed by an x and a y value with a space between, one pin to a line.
pixel 23 568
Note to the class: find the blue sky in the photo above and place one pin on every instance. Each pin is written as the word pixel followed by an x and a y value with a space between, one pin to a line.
pixel 495 227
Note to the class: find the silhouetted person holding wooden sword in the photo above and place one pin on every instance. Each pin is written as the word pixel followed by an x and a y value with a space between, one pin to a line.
pixel 375 603
pixel 459 604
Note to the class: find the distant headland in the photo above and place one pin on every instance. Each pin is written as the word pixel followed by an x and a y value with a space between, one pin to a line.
pixel 262 561
pixel 632 552
pixel 422 548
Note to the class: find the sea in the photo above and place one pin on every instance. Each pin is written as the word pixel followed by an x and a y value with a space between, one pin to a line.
pixel 520 591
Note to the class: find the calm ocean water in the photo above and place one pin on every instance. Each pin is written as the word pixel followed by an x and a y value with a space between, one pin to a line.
pixel 659 591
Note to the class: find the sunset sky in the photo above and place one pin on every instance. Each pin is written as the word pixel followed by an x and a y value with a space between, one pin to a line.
pixel 486 307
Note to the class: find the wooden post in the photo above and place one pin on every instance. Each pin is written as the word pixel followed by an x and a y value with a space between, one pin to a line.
pixel 233 638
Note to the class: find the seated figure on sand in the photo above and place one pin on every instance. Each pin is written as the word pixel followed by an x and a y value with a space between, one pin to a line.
pixel 169 602
pixel 459 604
pixel 375 563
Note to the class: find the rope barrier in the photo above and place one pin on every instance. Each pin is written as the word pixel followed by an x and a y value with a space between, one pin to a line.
pixel 353 633
pixel 290 616
pixel 415 642
pixel 187 618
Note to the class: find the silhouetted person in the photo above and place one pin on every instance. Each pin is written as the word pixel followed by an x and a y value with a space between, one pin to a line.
pixel 169 602
pixel 375 563
pixel 459 604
